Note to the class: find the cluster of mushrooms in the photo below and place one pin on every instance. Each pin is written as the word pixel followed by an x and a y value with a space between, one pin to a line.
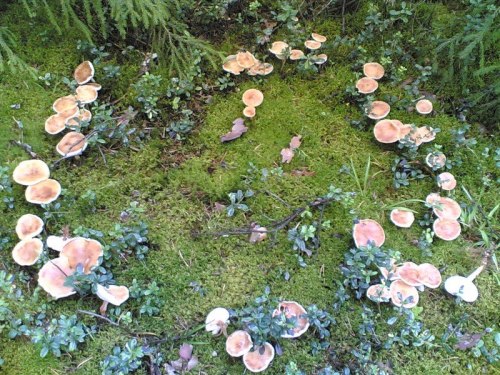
pixel 239 343
pixel 246 61
pixel 391 131
pixel 282 50
pixel 71 112
pixel 252 98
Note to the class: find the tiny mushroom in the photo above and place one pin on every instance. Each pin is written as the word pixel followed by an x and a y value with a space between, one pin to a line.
pixel 258 234
pixel 292 309
pixel 367 230
pixel 44 192
pixel 84 72
pixel 217 321
pixel 72 144
pixel 312 44
pixel 378 110
pixel 238 343
pixel 447 208
pixel 446 181
pixel 402 218
pixel 319 59
pixel 31 172
pixel 386 131
pixel 245 59
pixel 446 229
pixel 463 287
pixel 373 70
pixel 260 358
pixel 28 251
pixel 29 226
pixel 366 85
pixel 318 37
pixel 424 107
pixel 435 160
pixel 52 277
pixel 82 251
pixel 113 294
pixel 403 294
pixel 252 98
pixel 378 293
pixel 86 94
pixel 249 112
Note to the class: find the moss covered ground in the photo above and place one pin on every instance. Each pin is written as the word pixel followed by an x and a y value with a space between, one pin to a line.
pixel 177 185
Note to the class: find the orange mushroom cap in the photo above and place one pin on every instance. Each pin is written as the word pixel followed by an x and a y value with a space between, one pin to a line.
pixel 403 294
pixel 318 37
pixel 368 230
pixel 53 275
pixel 446 229
pixel 260 358
pixel 378 110
pixel 366 85
pixel 447 208
pixel 253 98
pixel 82 251
pixel 249 112
pixel 424 106
pixel 238 343
pixel 55 124
pixel 373 70
pixel 446 181
pixel 312 44
pixel 31 172
pixel 86 94
pixel 44 192
pixel 402 218
pixel 278 49
pixel 386 131
pixel 378 293
pixel 65 103
pixel 72 144
pixel 296 54
pixel 292 309
pixel 245 59
pixel 27 251
pixel 84 72
pixel 29 226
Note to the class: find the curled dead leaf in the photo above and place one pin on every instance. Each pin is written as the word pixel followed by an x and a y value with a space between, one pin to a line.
pixel 236 131
pixel 287 155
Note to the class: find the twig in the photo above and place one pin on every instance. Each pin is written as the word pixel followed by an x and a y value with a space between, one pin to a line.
pixel 343 17
pixel 26 147
pixel 73 145
pixel 278 198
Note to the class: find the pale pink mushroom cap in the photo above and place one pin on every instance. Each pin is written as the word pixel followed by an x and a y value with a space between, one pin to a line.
pixel 429 275
pixel 52 276
pixel 28 251
pixel 402 218
pixel 366 85
pixel 255 361
pixel 238 343
pixel 373 70
pixel 29 226
pixel 368 230
pixel 379 293
pixel 386 131
pixel 400 289
pixel 447 208
pixel 446 181
pixel 292 309
pixel 378 110
pixel 446 229
pixel 409 273
pixel 424 107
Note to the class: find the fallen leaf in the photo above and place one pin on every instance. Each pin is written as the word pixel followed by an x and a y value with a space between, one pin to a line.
pixel 295 142
pixel 236 131
pixel 468 340
pixel 186 352
pixel 286 155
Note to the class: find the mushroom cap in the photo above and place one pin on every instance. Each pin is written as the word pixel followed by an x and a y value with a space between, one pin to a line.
pixel 82 251
pixel 462 287
pixel 446 229
pixel 373 70
pixel 84 72
pixel 366 85
pixel 318 37
pixel 245 59
pixel 258 235
pixel 216 319
pixel 292 309
pixel 399 289
pixel 312 44
pixel 57 242
pixel 84 115
pixel 55 124
pixel 368 230
pixel 72 144
pixel 435 160
pixel 253 98
pixel 432 198
pixel 27 251
pixel 255 361
pixel 238 343
pixel 410 274
pixel 386 131
pixel 86 94
pixel 249 112
pixel 52 276
pixel 65 103
pixel 447 208
pixel 29 226
pixel 263 69
pixel 231 65
pixel 429 275
pixel 378 293
pixel 378 110
pixel 44 192
pixel 320 59
pixel 113 294
pixel 277 48
pixel 296 54
pixel 392 274
pixel 404 129
pixel 31 172
pixel 446 181
pixel 424 107
pixel 97 86
pixel 402 218
pixel 422 134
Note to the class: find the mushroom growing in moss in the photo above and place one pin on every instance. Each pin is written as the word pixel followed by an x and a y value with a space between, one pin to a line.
pixel 238 343
pixel 86 94
pixel 446 229
pixel 386 131
pixel 29 226
pixel 378 293
pixel 84 72
pixel 373 70
pixel 463 287
pixel 28 251
pixel 378 110
pixel 252 98
pixel 318 37
pixel 72 144
pixel 249 112
pixel 403 294
pixel 44 192
pixel 217 321
pixel 312 44
pixel 279 49
pixel 296 54
pixel 402 218
pixel 366 85
pixel 366 231
pixel 52 277
pixel 447 208
pixel 293 310
pixel 446 181
pixel 260 358
pixel 230 65
pixel 31 172
pixel 435 160
pixel 64 104
pixel 424 107
pixel 82 251
pixel 245 59
pixel 114 294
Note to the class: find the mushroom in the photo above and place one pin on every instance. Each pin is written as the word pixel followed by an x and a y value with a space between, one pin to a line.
pixel 386 131
pixel 53 275
pixel 44 192
pixel 249 112
pixel 373 70
pixel 435 160
pixel 96 85
pixel 279 49
pixel 312 44
pixel 84 116
pixel 28 251
pixel 65 103
pixel 378 110
pixel 463 287
pixel 432 199
pixel 258 234
pixel 404 129
pixel 113 294
pixel 55 124
pixel 366 85
pixel 446 181
pixel 31 172
pixel 217 321
pixel 57 243
pixel 29 226
pixel 72 144
pixel 245 59
pixel 409 273
pixel 319 59
pixel 424 107
pixel 263 69
pixel 86 94
pixel 367 230
pixel 287 155
pixel 403 294
pixel 447 208
pixel 238 343
pixel 446 229
pixel 391 274
pixel 253 98
pixel 402 218
pixel 378 293
pixel 429 275
pixel 318 37
pixel 422 134
pixel 82 251
pixel 296 54
pixel 293 310
pixel 231 65
pixel 84 72
pixel 260 358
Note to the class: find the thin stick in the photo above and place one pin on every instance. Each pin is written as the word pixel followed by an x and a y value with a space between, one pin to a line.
pixel 26 147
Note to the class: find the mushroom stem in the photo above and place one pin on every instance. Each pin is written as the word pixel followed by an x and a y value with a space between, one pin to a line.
pixel 103 308
pixel 474 274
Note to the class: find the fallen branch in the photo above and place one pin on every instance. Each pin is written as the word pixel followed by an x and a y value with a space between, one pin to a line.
pixel 26 147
